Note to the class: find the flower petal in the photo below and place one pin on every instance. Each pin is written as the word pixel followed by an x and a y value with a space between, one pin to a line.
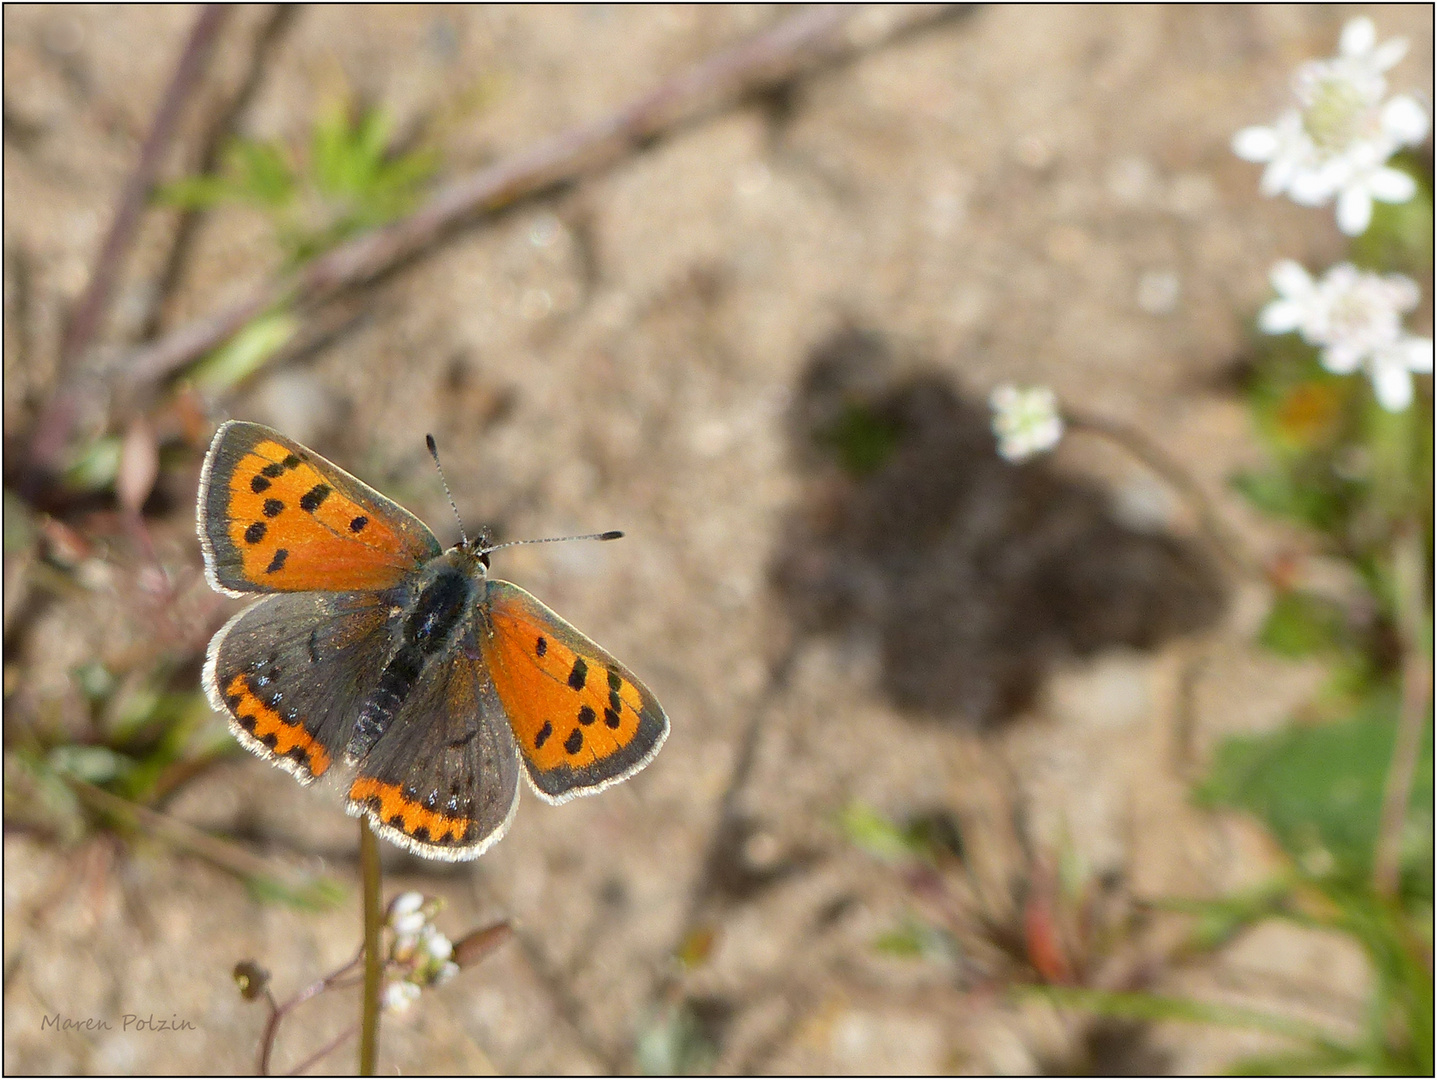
pixel 1388 53
pixel 1419 355
pixel 1290 280
pixel 1354 210
pixel 1404 120
pixel 1392 383
pixel 1341 357
pixel 1391 185
pixel 1358 37
pixel 1280 317
pixel 1313 187
pixel 1256 144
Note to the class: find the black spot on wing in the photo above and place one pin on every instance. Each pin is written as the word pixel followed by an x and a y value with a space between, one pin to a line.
pixel 255 533
pixel 575 742
pixel 277 563
pixel 310 501
pixel 578 674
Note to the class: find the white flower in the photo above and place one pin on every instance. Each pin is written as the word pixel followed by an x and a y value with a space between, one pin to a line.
pixel 1337 141
pixel 438 947
pixel 399 995
pixel 405 916
pixel 1355 317
pixel 1025 421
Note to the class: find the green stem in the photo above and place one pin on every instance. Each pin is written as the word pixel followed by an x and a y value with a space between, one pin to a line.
pixel 373 961
pixel 1136 1005
pixel 1416 692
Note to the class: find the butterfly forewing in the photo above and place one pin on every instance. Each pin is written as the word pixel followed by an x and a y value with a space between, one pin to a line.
pixel 276 517
pixel 581 719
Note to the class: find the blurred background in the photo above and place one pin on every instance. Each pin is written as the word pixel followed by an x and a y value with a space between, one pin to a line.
pixel 1075 764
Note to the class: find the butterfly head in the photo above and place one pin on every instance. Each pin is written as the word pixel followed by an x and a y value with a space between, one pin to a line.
pixel 474 554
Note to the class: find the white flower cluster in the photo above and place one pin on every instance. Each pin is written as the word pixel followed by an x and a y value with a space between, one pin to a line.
pixel 420 952
pixel 1337 141
pixel 1355 317
pixel 1025 421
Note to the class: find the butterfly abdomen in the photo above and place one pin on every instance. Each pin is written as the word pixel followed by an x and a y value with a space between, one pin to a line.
pixel 427 627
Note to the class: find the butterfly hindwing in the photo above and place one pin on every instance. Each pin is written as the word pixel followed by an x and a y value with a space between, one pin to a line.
pixel 581 719
pixel 291 670
pixel 275 516
pixel 443 780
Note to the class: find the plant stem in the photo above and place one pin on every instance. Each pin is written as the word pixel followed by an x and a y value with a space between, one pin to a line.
pixel 53 429
pixel 373 962
pixel 1416 693
pixel 1228 547
pixel 801 42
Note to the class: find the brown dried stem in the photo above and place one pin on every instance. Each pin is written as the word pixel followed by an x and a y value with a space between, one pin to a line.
pixel 52 432
pixel 814 35
pixel 1228 547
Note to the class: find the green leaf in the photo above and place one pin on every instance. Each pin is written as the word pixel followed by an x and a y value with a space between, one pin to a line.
pixel 1400 235
pixel 1319 786
pixel 96 465
pixel 19 524
pixel 262 174
pixel 674 1044
pixel 1137 1005
pixel 914 939
pixel 199 192
pixel 245 353
pixel 1301 624
pixel 861 439
pixel 1284 495
pixel 1219 921
pixel 876 835
pixel 93 764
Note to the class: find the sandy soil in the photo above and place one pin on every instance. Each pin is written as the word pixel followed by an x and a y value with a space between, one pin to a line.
pixel 1027 194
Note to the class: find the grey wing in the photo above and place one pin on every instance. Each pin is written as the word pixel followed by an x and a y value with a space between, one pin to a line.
pixel 291 671
pixel 443 780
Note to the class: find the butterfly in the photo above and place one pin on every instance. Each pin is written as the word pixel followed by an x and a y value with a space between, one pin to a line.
pixel 405 668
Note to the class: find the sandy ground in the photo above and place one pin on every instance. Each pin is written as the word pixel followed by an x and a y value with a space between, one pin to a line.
pixel 1027 194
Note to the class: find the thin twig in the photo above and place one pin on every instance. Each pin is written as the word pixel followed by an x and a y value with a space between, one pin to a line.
pixel 812 36
pixel 182 835
pixel 334 980
pixel 1416 693
pixel 1214 529
pixel 324 1051
pixel 212 142
pixel 53 430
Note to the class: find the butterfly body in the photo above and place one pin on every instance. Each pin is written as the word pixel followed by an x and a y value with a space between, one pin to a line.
pixel 422 678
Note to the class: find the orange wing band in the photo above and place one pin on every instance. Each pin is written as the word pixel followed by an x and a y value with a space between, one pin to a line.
pixel 267 727
pixel 389 804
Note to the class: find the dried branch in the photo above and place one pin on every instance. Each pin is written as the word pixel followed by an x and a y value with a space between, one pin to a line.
pixel 53 430
pixel 814 36
pixel 1221 538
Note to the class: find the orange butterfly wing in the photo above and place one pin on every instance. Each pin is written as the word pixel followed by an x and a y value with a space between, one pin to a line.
pixel 581 719
pixel 275 516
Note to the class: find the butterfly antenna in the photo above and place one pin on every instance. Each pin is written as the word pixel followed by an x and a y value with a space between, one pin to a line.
pixel 613 534
pixel 434 453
